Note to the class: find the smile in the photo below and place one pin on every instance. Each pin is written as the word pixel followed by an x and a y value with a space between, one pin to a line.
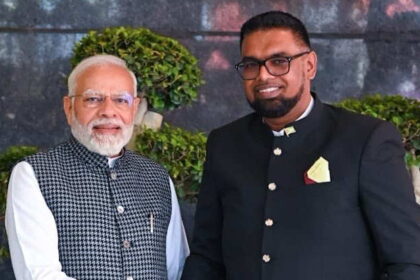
pixel 106 129
pixel 271 89
pixel 268 91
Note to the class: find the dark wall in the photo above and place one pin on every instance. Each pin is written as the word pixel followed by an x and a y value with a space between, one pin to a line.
pixel 364 46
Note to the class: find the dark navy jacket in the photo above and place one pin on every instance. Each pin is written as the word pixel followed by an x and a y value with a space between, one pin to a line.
pixel 362 225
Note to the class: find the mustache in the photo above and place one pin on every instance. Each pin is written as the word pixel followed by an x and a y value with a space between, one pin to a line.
pixel 106 121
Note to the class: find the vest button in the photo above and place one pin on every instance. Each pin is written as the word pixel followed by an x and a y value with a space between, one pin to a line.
pixel 120 209
pixel 272 186
pixel 277 151
pixel 269 222
pixel 126 244
pixel 266 258
pixel 130 278
pixel 113 175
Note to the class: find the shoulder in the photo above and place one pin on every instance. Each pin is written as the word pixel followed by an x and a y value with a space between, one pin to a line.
pixel 233 128
pixel 53 154
pixel 143 162
pixel 355 123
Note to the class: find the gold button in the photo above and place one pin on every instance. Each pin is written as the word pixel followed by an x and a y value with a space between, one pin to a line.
pixel 126 244
pixel 266 258
pixel 277 151
pixel 269 222
pixel 272 186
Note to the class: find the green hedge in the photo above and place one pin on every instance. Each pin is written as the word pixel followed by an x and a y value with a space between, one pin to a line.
pixel 403 112
pixel 180 151
pixel 167 73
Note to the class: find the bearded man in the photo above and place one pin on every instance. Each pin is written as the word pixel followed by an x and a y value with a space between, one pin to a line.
pixel 300 189
pixel 89 208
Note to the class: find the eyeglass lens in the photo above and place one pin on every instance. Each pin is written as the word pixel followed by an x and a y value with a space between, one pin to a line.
pixel 96 99
pixel 276 66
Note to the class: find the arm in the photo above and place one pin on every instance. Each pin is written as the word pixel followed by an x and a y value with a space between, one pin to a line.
pixel 31 229
pixel 176 241
pixel 205 261
pixel 388 201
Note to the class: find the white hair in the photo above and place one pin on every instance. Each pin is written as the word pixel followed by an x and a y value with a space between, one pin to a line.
pixel 99 59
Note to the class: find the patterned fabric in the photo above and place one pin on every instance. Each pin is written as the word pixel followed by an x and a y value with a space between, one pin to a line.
pixel 111 222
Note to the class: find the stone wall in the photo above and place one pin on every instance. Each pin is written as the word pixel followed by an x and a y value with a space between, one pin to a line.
pixel 364 46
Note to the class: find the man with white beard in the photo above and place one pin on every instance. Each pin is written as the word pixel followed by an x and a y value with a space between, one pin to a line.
pixel 88 208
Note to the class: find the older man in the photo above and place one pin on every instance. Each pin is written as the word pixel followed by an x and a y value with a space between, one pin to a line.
pixel 300 189
pixel 88 208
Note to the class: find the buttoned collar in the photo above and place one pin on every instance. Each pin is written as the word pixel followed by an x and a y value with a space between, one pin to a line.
pixel 304 125
pixel 304 114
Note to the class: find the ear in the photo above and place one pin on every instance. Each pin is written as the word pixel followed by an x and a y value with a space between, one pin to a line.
pixel 312 63
pixel 136 104
pixel 68 106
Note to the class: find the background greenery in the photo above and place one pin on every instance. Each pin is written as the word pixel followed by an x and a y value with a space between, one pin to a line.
pixel 180 151
pixel 7 159
pixel 167 73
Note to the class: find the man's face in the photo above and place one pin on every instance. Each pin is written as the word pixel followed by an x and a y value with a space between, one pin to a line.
pixel 102 111
pixel 276 96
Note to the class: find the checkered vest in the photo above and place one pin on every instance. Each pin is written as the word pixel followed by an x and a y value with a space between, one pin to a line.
pixel 111 222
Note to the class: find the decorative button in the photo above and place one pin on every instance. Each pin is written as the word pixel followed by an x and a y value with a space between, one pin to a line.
pixel 130 278
pixel 269 222
pixel 126 244
pixel 277 151
pixel 120 209
pixel 272 186
pixel 266 258
pixel 113 175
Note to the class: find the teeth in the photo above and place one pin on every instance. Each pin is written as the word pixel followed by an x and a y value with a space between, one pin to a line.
pixel 268 89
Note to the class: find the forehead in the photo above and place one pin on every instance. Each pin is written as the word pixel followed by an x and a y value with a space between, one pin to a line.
pixel 265 42
pixel 105 78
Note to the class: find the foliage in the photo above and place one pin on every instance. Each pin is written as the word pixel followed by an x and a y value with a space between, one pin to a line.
pixel 167 73
pixel 403 112
pixel 7 160
pixel 181 152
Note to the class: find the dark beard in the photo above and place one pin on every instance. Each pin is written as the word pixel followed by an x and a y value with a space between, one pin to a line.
pixel 275 107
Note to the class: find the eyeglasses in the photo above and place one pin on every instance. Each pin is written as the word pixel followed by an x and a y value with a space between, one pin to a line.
pixel 249 68
pixel 92 99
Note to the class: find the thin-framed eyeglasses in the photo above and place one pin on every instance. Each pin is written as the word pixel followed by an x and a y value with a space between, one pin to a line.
pixel 249 68
pixel 93 99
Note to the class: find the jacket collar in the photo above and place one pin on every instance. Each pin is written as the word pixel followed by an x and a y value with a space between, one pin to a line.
pixel 263 133
pixel 92 159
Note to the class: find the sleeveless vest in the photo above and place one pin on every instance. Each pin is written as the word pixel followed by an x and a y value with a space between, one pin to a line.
pixel 111 222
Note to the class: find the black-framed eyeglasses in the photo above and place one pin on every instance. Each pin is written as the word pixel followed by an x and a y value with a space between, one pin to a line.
pixel 249 68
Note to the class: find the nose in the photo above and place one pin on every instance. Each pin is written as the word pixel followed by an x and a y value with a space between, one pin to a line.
pixel 107 108
pixel 264 74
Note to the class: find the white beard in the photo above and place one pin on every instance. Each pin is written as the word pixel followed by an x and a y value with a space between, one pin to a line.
pixel 103 144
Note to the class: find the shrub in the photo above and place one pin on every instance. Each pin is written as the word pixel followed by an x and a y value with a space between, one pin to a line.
pixel 7 160
pixel 403 112
pixel 167 73
pixel 181 152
